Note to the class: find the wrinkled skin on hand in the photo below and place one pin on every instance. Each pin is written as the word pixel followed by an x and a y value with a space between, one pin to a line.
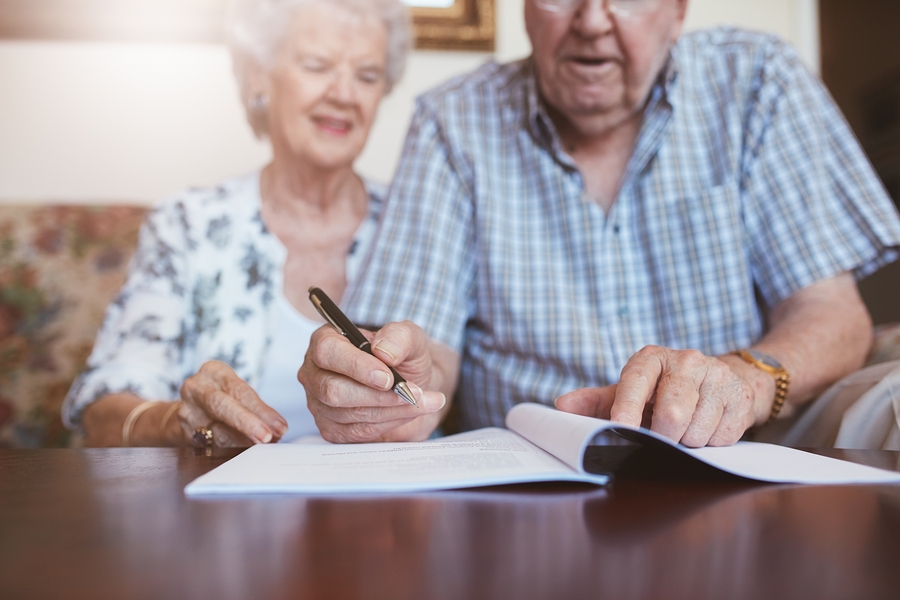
pixel 216 395
pixel 349 392
pixel 689 397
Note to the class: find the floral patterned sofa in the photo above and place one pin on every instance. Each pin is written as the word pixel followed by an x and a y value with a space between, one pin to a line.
pixel 59 268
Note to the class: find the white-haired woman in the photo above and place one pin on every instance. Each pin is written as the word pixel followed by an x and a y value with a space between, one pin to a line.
pixel 204 341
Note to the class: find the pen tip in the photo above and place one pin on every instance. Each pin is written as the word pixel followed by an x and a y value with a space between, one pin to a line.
pixel 404 392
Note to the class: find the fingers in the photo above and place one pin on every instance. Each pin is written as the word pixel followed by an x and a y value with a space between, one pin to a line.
pixel 637 385
pixel 332 363
pixel 216 394
pixel 226 437
pixel 678 393
pixel 349 392
pixel 737 417
pixel 695 399
pixel 590 402
pixel 406 346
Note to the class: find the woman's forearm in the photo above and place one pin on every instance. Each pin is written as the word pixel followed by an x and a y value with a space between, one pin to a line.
pixel 104 419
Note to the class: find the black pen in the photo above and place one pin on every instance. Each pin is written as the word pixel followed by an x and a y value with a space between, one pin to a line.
pixel 331 313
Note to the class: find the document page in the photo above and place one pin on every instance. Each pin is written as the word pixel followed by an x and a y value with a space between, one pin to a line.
pixel 779 464
pixel 485 457
pixel 567 435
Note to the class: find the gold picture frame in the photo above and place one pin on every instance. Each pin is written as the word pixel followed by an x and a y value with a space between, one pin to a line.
pixel 461 25
pixel 438 24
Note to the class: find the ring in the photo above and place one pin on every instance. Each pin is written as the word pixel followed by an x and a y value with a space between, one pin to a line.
pixel 203 436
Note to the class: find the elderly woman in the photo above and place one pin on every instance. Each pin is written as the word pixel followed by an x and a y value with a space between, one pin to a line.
pixel 204 341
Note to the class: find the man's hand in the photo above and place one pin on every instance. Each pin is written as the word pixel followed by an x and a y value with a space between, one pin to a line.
pixel 349 392
pixel 688 397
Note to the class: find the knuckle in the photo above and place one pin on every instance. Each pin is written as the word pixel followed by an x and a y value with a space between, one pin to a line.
pixel 361 432
pixel 671 414
pixel 188 387
pixel 359 414
pixel 322 349
pixel 330 390
pixel 358 362
pixel 217 402
pixel 648 351
pixel 693 359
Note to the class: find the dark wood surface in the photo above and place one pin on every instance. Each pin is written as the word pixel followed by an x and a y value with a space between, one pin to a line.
pixel 99 524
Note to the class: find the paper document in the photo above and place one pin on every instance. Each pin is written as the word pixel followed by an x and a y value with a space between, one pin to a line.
pixel 540 444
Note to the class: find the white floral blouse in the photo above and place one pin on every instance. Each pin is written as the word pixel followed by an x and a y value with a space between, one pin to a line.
pixel 201 286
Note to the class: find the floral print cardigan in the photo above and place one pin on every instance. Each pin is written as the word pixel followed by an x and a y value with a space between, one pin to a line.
pixel 200 286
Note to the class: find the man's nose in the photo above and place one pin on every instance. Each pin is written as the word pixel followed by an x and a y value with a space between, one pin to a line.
pixel 593 18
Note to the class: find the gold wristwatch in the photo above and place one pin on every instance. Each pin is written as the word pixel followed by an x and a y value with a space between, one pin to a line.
pixel 767 364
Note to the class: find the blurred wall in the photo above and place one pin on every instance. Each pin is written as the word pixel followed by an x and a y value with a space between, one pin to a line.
pixel 112 122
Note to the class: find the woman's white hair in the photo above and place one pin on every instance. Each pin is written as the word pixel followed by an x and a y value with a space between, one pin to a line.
pixel 256 29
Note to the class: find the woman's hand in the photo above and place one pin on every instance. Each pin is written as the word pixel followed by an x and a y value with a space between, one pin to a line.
pixel 216 398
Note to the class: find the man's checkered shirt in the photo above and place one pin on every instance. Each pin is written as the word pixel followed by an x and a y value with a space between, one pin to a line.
pixel 745 186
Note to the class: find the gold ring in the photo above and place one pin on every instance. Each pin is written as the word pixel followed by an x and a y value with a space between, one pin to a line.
pixel 203 436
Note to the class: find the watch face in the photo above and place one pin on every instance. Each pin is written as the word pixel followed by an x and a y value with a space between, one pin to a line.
pixel 764 359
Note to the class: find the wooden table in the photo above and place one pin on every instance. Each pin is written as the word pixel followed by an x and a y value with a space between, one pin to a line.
pixel 99 524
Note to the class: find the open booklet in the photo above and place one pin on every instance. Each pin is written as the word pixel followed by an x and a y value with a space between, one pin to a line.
pixel 540 444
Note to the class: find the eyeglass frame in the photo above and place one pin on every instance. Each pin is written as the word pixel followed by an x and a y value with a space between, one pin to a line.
pixel 576 4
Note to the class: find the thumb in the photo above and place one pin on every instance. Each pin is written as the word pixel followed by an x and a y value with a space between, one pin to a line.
pixel 590 402
pixel 405 346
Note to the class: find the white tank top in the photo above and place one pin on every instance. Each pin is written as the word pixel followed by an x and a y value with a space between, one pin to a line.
pixel 278 386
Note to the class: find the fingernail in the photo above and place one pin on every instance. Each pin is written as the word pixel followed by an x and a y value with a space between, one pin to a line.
pixel 388 347
pixel 262 435
pixel 380 380
pixel 434 401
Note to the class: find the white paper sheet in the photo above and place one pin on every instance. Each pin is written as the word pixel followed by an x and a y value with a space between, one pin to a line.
pixel 484 457
pixel 493 457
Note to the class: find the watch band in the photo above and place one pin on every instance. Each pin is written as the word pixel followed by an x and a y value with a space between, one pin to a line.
pixel 769 365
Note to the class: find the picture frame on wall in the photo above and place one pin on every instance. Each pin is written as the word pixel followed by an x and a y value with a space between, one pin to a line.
pixel 438 24
pixel 453 24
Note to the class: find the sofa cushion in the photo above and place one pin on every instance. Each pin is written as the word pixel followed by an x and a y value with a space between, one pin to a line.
pixel 59 268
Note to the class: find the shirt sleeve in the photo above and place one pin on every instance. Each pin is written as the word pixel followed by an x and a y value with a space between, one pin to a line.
pixel 421 266
pixel 814 207
pixel 147 337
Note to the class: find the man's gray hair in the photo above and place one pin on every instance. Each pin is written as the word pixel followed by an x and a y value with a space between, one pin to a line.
pixel 256 29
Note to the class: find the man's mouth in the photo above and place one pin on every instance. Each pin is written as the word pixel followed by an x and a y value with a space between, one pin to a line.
pixel 589 61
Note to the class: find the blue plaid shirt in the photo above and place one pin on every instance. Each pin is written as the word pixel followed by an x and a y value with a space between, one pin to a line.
pixel 745 186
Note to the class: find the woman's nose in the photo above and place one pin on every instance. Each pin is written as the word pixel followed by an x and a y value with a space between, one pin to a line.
pixel 342 88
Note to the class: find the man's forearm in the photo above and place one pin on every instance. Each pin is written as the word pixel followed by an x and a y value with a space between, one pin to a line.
pixel 820 334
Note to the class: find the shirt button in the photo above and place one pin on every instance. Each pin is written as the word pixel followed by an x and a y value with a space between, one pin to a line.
pixel 616 229
pixel 623 311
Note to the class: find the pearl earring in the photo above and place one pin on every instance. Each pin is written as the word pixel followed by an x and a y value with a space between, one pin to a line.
pixel 260 102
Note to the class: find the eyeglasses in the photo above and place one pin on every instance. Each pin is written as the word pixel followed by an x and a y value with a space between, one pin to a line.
pixel 621 8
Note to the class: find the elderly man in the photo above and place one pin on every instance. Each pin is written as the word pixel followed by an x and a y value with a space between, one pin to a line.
pixel 665 230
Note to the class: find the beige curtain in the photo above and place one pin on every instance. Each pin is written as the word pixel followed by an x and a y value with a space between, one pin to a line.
pixel 861 411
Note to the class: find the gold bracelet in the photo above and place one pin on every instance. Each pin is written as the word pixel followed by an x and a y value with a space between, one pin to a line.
pixel 131 419
pixel 165 419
